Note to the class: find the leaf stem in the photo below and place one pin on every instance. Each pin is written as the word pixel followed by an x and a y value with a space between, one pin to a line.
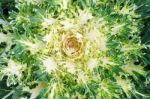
pixel 10 93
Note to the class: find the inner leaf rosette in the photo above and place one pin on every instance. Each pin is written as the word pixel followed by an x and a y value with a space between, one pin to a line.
pixel 72 45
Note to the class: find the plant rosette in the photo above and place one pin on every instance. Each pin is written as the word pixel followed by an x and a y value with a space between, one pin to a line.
pixel 70 49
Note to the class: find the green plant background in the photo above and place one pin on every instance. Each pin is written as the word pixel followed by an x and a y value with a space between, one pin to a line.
pixel 7 6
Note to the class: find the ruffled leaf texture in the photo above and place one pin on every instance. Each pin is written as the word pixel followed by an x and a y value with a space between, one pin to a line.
pixel 101 65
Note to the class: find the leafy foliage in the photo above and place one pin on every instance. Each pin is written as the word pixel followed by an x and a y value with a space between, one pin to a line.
pixel 34 62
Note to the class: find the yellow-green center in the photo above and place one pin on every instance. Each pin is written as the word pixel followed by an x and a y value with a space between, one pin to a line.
pixel 72 44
